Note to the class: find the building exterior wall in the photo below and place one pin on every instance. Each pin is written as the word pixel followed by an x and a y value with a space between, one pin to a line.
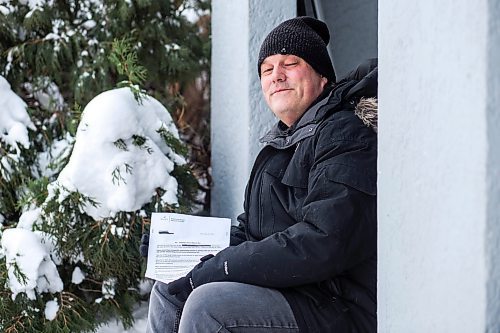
pixel 437 180
pixel 239 114
pixel 493 169
pixel 353 29
pixel 229 104
pixel 264 16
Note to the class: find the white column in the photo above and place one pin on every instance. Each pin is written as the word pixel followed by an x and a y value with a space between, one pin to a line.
pixel 438 185
pixel 492 249
pixel 239 115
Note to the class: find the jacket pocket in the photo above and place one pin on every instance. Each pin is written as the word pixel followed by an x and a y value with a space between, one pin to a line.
pixel 277 205
pixel 362 180
pixel 297 178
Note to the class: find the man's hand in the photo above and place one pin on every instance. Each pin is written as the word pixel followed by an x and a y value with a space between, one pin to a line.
pixel 182 288
pixel 144 247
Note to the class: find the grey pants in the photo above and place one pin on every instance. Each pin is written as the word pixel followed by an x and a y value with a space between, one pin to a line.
pixel 221 307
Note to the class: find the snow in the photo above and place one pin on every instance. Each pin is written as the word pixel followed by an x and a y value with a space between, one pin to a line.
pixel 140 320
pixel 30 253
pixel 51 308
pixel 172 47
pixel 124 174
pixel 117 231
pixel 4 10
pixel 118 158
pixel 14 125
pixel 49 161
pixel 35 5
pixel 145 286
pixel 78 276
pixel 51 36
pixel 8 66
pixel 89 24
pixel 32 4
pixel 14 119
pixel 190 13
pixel 45 91
pixel 108 288
pixel 29 218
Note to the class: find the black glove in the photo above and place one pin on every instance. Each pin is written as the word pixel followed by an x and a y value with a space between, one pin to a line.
pixel 182 288
pixel 144 247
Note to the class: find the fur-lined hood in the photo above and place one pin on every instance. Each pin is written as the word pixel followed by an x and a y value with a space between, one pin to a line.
pixel 365 91
pixel 367 111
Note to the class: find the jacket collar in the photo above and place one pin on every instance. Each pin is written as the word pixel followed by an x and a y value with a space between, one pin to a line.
pixel 280 130
pixel 282 137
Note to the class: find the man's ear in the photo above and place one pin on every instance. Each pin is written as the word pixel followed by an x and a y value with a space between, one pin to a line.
pixel 324 81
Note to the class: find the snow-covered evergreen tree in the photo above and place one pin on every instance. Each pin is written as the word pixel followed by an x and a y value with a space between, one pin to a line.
pixel 77 187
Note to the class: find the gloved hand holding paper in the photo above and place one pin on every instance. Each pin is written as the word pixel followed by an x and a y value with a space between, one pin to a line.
pixel 178 241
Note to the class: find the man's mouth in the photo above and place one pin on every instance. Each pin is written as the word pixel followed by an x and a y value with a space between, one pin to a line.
pixel 280 90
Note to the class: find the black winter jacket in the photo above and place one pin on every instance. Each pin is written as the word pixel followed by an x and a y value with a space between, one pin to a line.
pixel 310 227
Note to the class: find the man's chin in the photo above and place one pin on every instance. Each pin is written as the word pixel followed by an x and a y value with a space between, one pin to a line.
pixel 286 115
pixel 279 111
pixel 281 106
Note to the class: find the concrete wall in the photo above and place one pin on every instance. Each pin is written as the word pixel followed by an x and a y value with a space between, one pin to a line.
pixel 239 115
pixel 353 28
pixel 493 169
pixel 438 166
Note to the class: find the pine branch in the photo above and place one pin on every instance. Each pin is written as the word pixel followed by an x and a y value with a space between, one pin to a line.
pixel 172 141
pixel 83 61
pixel 126 61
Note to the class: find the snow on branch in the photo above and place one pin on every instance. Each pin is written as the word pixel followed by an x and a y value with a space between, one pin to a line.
pixel 121 157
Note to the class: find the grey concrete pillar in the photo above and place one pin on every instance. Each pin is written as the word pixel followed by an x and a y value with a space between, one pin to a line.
pixel 439 160
pixel 353 29
pixel 239 114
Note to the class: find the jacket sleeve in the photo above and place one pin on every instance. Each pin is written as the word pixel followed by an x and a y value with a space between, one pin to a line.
pixel 238 234
pixel 336 233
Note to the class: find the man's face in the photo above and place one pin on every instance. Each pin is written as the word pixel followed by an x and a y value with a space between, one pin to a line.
pixel 289 85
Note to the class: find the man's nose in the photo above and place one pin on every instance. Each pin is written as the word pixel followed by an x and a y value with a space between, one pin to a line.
pixel 278 74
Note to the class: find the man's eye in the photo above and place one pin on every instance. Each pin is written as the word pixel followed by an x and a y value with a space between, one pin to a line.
pixel 267 70
pixel 290 64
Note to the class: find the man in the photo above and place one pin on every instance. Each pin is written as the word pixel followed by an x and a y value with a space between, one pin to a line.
pixel 303 258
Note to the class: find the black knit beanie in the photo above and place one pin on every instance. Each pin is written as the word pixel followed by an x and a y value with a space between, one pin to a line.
pixel 305 37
